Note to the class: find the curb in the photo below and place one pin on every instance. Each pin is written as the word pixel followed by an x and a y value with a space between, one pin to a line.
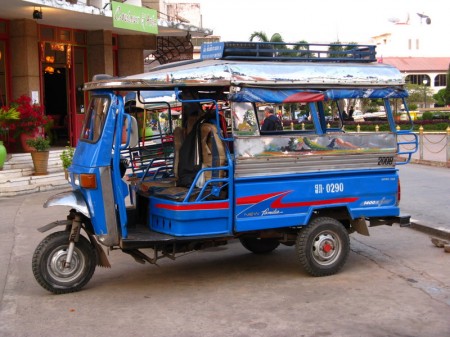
pixel 431 163
pixel 441 233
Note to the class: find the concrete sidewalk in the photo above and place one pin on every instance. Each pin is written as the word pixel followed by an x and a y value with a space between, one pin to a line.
pixel 17 176
pixel 425 195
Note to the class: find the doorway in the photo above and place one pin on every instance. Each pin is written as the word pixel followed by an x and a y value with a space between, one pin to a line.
pixel 56 60
pixel 56 103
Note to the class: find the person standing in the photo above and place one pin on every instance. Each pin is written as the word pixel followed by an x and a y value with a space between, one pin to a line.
pixel 271 122
pixel 350 113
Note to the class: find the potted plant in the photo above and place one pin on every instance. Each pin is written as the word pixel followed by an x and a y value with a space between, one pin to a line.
pixel 7 114
pixel 41 146
pixel 32 121
pixel 66 158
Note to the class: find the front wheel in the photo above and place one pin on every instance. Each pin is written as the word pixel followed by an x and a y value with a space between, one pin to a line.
pixel 323 246
pixel 49 263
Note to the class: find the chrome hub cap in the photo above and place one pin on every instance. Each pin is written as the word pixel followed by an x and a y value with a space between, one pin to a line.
pixel 326 248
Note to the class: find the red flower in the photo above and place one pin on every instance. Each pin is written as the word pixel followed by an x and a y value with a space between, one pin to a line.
pixel 32 116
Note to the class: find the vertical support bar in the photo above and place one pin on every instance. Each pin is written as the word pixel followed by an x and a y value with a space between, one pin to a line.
pixel 448 147
pixel 421 142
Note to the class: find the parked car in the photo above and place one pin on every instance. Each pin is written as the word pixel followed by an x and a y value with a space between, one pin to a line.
pixel 359 116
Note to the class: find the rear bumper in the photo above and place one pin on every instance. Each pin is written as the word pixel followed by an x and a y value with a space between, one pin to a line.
pixel 402 220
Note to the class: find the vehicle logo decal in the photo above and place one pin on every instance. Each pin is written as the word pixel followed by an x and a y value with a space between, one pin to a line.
pixel 272 203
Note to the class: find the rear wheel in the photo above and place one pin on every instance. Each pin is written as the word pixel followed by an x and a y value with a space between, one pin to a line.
pixel 259 246
pixel 323 246
pixel 49 263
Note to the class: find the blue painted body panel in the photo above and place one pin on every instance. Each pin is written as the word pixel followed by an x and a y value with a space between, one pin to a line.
pixel 261 203
pixel 93 157
pixel 190 218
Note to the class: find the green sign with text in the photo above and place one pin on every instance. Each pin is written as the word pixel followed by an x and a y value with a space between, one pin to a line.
pixel 134 18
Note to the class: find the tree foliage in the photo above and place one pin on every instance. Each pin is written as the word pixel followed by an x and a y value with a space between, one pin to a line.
pixel 338 48
pixel 418 94
pixel 439 97
pixel 447 88
pixel 262 37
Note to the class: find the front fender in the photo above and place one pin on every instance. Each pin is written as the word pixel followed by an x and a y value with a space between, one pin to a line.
pixel 73 199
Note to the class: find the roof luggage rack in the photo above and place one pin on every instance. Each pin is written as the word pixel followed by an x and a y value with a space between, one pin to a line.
pixel 281 51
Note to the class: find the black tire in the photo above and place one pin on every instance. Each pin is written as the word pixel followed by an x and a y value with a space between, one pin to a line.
pixel 323 246
pixel 49 257
pixel 259 246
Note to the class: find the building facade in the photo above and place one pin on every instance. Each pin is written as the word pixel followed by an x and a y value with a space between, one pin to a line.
pixel 413 45
pixel 50 48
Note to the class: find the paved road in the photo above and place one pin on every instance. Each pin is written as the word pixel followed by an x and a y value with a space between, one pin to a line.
pixel 426 195
pixel 395 283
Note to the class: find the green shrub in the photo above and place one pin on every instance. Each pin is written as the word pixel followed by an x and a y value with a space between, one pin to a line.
pixel 435 127
pixel 67 156
pixel 427 116
pixel 39 143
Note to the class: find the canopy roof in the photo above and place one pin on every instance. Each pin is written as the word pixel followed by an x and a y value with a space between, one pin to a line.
pixel 204 73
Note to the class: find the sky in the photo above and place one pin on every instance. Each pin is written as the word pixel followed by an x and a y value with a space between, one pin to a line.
pixel 319 21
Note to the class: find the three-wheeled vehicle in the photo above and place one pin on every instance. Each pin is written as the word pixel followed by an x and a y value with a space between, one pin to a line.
pixel 206 174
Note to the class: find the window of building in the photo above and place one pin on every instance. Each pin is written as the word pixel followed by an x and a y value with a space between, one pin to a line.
pixel 79 37
pixel 3 28
pixel 440 80
pixel 47 33
pixel 3 78
pixel 64 35
pixel 4 94
pixel 418 79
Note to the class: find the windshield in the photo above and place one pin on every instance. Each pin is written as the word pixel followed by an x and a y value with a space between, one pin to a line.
pixel 95 119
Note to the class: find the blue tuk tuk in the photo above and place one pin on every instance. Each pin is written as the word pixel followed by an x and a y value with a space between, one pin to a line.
pixel 205 173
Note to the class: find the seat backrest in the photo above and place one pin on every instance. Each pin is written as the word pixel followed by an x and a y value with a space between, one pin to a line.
pixel 178 138
pixel 213 152
pixel 201 148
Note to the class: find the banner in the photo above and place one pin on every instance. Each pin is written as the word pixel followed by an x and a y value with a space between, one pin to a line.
pixel 134 18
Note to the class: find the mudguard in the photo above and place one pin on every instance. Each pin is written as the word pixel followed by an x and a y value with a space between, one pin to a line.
pixel 73 199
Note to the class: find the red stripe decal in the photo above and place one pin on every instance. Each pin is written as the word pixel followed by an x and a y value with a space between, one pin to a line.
pixel 254 199
pixel 194 207
pixel 304 97
pixel 278 204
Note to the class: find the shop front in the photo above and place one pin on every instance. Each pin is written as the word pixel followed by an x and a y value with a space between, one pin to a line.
pixel 50 62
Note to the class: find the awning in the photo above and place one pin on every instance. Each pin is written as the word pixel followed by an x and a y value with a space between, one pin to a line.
pixel 277 96
pixel 366 93
pixel 260 95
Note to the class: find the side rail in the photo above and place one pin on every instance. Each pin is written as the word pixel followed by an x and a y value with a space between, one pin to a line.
pixel 407 147
pixel 410 143
pixel 215 188
pixel 144 163
pixel 155 153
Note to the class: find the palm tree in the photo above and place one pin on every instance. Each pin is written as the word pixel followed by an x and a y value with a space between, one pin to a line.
pixel 336 48
pixel 303 45
pixel 262 37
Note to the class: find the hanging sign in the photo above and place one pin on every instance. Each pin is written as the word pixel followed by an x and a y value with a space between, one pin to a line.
pixel 134 18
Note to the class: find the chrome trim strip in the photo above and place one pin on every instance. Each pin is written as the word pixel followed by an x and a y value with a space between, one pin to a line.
pixel 255 167
pixel 112 238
